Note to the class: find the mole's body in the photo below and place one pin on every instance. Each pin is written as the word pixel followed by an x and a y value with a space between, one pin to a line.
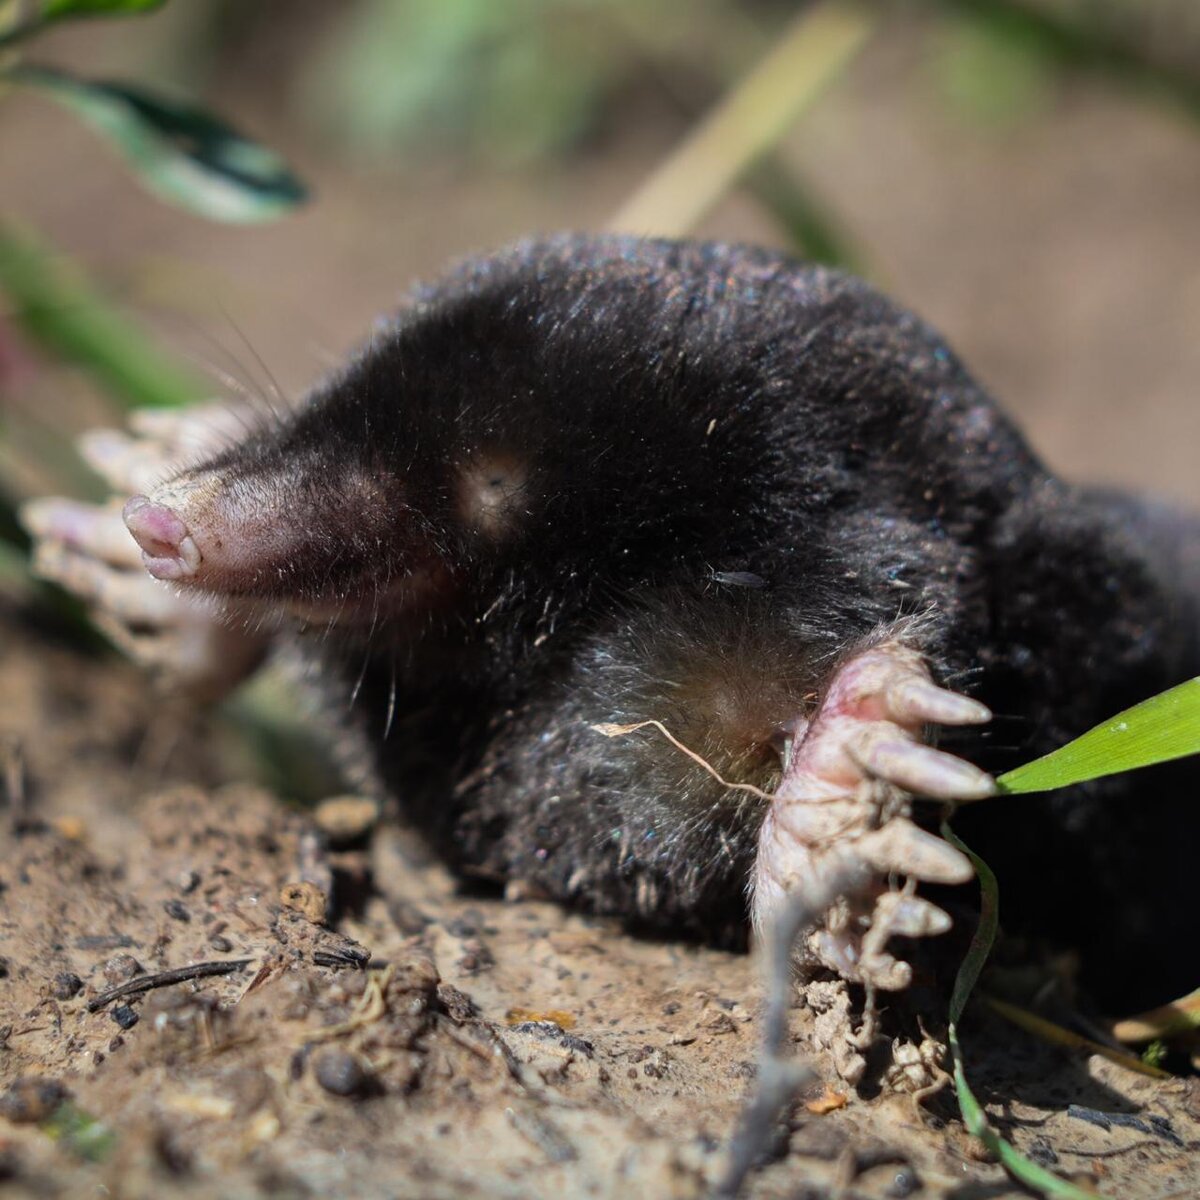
pixel 603 481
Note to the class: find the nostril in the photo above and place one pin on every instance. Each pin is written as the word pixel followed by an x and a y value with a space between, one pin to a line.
pixel 168 549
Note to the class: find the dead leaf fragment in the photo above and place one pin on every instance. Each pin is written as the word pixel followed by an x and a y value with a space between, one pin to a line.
pixel 830 1100
pixel 305 898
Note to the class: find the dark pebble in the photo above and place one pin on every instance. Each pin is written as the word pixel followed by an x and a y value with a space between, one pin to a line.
pixel 220 942
pixel 339 1072
pixel 124 1016
pixel 177 909
pixel 66 984
pixel 31 1099
pixel 4 967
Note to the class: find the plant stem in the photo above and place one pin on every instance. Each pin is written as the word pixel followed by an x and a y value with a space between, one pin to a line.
pixel 747 122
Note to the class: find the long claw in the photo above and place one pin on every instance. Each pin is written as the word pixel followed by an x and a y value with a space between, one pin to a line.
pixel 199 429
pixel 917 701
pixel 845 803
pixel 911 916
pixel 902 848
pixel 97 531
pixel 921 769
pixel 126 464
pixel 129 597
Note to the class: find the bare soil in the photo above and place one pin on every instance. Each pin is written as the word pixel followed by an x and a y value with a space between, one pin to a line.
pixel 424 1041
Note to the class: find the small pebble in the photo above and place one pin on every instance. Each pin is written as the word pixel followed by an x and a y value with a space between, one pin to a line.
pixel 188 881
pixel 339 1072
pixel 66 984
pixel 218 941
pixel 345 819
pixel 177 909
pixel 31 1099
pixel 124 1016
pixel 906 1182
pixel 121 967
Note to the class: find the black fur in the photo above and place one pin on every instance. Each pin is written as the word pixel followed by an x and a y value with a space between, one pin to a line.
pixel 712 471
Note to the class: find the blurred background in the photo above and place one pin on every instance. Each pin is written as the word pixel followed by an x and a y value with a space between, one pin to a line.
pixel 1026 175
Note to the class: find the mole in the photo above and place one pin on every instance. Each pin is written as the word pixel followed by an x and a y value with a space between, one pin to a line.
pixel 663 577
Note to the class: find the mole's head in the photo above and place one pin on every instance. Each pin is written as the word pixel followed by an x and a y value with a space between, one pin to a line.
pixel 516 430
pixel 301 517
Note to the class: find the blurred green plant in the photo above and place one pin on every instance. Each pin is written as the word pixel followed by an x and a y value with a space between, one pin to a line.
pixel 84 1136
pixel 56 308
pixel 997 48
pixel 184 154
pixel 1164 727
pixel 1027 1172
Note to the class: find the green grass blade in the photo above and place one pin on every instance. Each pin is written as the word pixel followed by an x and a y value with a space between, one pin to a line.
pixel 52 11
pixel 985 931
pixel 1025 1171
pixel 1165 727
pixel 182 153
pixel 57 309
pixel 58 10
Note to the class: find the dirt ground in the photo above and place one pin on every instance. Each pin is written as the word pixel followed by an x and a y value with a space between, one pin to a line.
pixel 416 1040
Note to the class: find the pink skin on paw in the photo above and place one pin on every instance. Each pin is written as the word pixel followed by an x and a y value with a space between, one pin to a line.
pixel 844 802
pixel 168 549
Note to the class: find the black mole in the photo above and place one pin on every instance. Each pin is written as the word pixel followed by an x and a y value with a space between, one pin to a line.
pixel 598 480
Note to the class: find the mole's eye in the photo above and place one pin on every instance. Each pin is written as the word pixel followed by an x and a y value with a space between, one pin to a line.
pixel 492 493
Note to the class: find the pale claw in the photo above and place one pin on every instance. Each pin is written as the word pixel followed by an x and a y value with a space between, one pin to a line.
pixel 889 755
pixel 843 809
pixel 163 440
pixel 902 848
pixel 915 699
pixel 88 549
pixel 95 529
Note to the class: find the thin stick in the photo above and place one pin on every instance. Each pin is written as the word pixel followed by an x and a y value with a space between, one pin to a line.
pixel 748 121
pixel 134 987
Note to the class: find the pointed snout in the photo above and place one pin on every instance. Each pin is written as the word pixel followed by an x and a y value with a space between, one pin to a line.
pixel 168 548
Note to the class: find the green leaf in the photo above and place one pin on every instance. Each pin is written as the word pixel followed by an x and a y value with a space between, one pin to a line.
pixel 58 10
pixel 1024 1170
pixel 52 11
pixel 57 309
pixel 1165 727
pixel 185 155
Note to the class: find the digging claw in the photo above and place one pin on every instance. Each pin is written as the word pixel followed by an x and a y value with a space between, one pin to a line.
pixel 891 756
pixel 844 805
pixel 88 550
pixel 915 700
pixel 902 848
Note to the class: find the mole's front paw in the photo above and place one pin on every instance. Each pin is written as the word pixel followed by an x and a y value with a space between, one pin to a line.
pixel 88 550
pixel 843 809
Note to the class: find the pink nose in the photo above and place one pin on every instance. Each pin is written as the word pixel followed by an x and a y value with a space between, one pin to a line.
pixel 168 550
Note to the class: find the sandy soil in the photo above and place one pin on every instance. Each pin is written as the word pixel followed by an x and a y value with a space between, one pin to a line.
pixel 417 1040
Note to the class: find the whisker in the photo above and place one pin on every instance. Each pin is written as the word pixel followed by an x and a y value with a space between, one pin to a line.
pixel 391 708
pixel 276 391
